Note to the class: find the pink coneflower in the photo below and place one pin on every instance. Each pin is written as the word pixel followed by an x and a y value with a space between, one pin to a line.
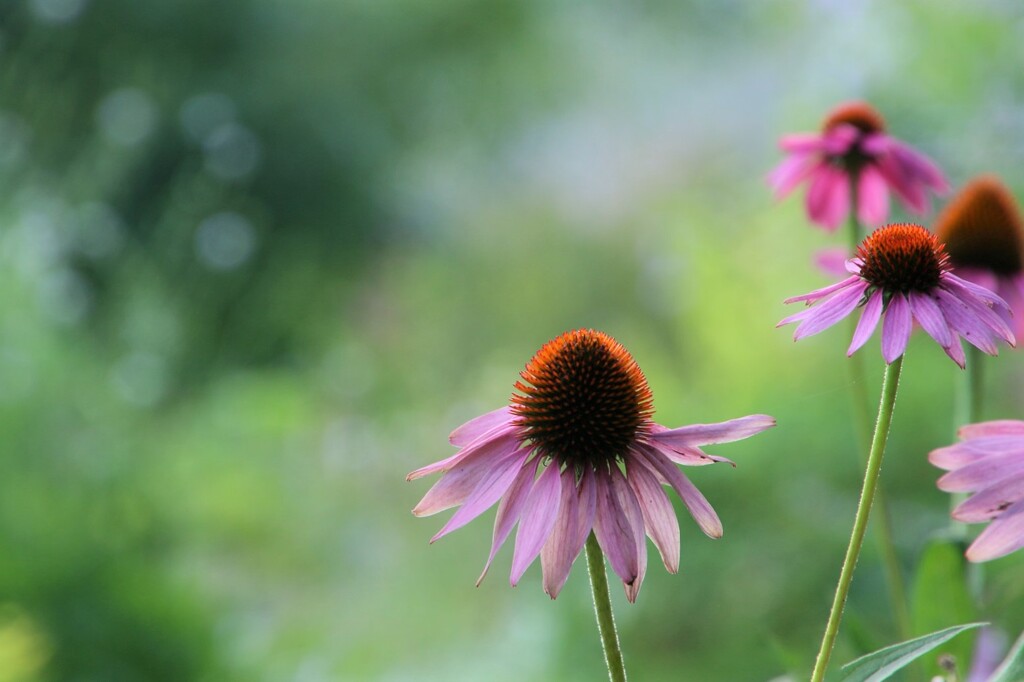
pixel 902 272
pixel 989 462
pixel 984 238
pixel 853 145
pixel 581 420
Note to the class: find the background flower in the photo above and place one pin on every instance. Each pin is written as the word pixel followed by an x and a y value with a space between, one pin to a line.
pixel 853 146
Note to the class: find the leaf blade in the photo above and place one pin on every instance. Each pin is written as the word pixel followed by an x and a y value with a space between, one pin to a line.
pixel 879 665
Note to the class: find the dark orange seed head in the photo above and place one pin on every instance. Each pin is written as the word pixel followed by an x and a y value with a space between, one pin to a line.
pixel 982 228
pixel 860 115
pixel 902 257
pixel 583 399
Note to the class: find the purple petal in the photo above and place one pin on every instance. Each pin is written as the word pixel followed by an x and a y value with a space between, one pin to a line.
pixel 962 320
pixel 928 313
pixel 920 167
pixel 828 197
pixel 872 197
pixel 896 328
pixel 953 457
pixel 982 474
pixel 557 555
pixel 493 485
pixel 509 509
pixel 537 520
pixel 587 508
pixel 831 312
pixel 720 432
pixel 478 426
pixel 991 502
pixel 689 456
pixel 868 321
pixel 659 515
pixel 613 529
pixel 998 427
pixel 979 300
pixel 695 502
pixel 838 140
pixel 822 293
pixel 459 482
pixel 481 447
pixel 955 351
pixel 1004 535
pixel 800 143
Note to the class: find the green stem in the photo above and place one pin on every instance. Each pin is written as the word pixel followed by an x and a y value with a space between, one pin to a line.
pixel 603 611
pixel 860 522
pixel 966 411
pixel 862 419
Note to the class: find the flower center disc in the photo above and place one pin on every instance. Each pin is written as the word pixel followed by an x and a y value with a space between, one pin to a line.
pixel 860 115
pixel 902 257
pixel 982 228
pixel 584 399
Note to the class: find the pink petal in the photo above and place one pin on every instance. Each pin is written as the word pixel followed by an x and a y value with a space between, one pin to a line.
pixel 831 261
pixel 831 312
pixel 559 552
pixel 537 520
pixel 952 457
pixel 868 321
pixel 999 427
pixel 493 485
pixel 980 302
pixel 872 197
pixel 695 502
pixel 790 172
pixel 509 509
pixel 689 456
pixel 928 313
pixel 910 192
pixel 896 328
pixel 822 293
pixel 478 426
pixel 991 501
pixel 800 143
pixel 982 474
pixel 479 448
pixel 828 197
pixel 955 351
pixel 587 508
pixel 1004 535
pixel 659 515
pixel 613 529
pixel 838 140
pixel 965 323
pixel 920 167
pixel 459 482
pixel 720 432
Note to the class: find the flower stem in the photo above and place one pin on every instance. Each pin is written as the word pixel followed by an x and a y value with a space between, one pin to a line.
pixel 860 523
pixel 603 611
pixel 862 419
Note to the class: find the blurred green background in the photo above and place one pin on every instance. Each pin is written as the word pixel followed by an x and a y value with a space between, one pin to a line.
pixel 258 258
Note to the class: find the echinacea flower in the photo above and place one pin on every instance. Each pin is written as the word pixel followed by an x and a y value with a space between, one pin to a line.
pixel 984 238
pixel 853 146
pixel 988 462
pixel 901 272
pixel 577 450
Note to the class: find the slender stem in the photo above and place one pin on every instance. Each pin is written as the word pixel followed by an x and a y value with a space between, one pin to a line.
pixel 860 522
pixel 603 611
pixel 862 420
pixel 966 411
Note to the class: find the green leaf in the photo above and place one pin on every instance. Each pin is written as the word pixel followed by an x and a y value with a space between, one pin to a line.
pixel 940 597
pixel 879 665
pixel 1012 667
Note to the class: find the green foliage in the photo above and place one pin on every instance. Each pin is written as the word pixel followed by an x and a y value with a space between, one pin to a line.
pixel 940 597
pixel 880 665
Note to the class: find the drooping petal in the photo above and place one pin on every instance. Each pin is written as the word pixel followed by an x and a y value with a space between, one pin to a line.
pixel 828 197
pixel 613 529
pixel 872 197
pixel 991 501
pixel 953 457
pixel 557 555
pixel 964 323
pixel 831 312
pixel 700 509
pixel 902 182
pixel 492 486
pixel 689 456
pixel 461 480
pixel 928 313
pixel 896 328
pixel 1004 535
pixel 867 323
pixel 659 515
pixel 978 301
pixel 791 172
pixel 479 448
pixel 720 432
pixel 998 427
pixel 981 474
pixel 478 426
pixel 631 506
pixel 822 293
pixel 587 509
pixel 536 521
pixel 920 167
pixel 509 509
pixel 800 143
